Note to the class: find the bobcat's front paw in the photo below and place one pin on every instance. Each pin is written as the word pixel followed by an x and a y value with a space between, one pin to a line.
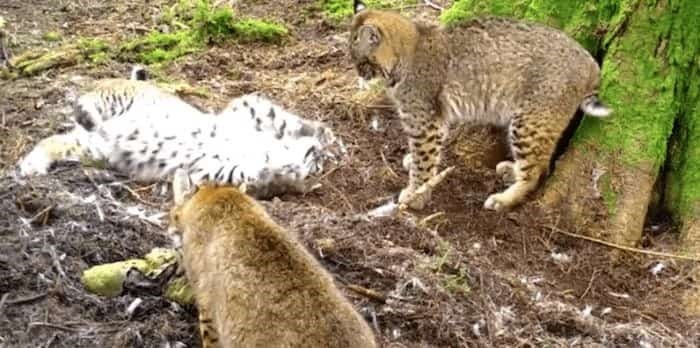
pixel 418 202
pixel 498 202
pixel 35 163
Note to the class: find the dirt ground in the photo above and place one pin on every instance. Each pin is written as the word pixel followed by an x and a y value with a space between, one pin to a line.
pixel 464 277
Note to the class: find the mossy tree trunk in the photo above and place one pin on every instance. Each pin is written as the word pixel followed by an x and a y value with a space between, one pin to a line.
pixel 650 76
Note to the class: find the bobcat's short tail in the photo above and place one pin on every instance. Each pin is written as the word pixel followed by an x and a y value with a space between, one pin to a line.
pixel 591 105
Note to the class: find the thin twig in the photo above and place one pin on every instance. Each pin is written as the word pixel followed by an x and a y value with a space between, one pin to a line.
pixel 625 248
pixel 329 172
pixel 590 285
pixel 369 293
pixel 26 299
pixel 386 164
pixel 50 325
pixel 41 213
pixel 3 300
pixel 424 221
pixel 57 262
pixel 136 195
pixel 144 188
pixel 433 5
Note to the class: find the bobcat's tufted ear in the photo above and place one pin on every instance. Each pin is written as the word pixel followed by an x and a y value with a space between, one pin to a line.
pixel 182 186
pixel 358 6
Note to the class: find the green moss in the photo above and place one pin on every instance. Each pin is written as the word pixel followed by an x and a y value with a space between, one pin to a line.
pixel 158 47
pixel 92 45
pixel 339 10
pixel 254 30
pixel 682 195
pixel 450 275
pixel 200 24
pixel 94 50
pixel 640 88
pixel 108 279
pixel 212 24
pixel 179 291
pixel 52 36
pixel 456 283
pixel 585 21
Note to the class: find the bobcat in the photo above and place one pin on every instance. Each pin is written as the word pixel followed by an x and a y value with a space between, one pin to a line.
pixel 523 76
pixel 254 284
pixel 146 132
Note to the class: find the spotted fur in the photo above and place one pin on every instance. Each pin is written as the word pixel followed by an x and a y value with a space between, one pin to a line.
pixel 522 76
pixel 139 129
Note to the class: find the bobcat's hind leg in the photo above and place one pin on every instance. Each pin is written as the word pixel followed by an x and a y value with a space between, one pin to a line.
pixel 76 145
pixel 59 147
pixel 526 177
pixel 533 138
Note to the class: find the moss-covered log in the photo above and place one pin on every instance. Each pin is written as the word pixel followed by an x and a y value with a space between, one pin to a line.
pixel 110 279
pixel 648 50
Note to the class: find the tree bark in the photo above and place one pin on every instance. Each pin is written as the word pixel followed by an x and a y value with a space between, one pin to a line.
pixel 605 180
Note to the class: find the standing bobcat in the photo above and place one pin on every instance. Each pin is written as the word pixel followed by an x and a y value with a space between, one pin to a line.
pixel 523 76
pixel 254 284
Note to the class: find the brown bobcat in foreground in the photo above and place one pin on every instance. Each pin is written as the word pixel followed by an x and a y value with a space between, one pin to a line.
pixel 254 285
pixel 523 76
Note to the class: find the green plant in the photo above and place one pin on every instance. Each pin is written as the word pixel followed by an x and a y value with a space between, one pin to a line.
pixel 199 24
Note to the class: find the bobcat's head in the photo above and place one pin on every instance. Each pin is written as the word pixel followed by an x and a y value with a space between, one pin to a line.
pixel 379 42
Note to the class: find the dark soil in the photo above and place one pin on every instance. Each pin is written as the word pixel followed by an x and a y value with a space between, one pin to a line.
pixel 465 277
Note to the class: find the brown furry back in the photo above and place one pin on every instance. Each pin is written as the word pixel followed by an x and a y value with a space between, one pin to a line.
pixel 254 284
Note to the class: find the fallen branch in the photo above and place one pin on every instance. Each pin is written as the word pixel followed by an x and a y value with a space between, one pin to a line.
pixel 33 62
pixel 625 248
pixel 153 274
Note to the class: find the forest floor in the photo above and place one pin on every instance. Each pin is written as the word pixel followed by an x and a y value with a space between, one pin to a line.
pixel 464 277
